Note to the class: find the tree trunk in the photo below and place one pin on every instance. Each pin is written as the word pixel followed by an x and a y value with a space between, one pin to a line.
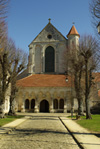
pixel 12 106
pixel 88 114
pixel 78 93
pixel 80 104
pixel 2 113
pixel 4 63
pixel 12 97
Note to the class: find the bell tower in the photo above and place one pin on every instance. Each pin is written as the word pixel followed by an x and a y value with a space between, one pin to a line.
pixel 73 38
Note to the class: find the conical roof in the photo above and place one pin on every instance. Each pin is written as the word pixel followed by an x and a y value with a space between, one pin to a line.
pixel 73 31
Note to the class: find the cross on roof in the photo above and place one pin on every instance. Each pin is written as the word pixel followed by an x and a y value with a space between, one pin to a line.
pixel 49 20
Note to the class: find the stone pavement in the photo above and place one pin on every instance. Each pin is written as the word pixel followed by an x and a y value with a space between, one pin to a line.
pixel 39 131
pixel 12 125
pixel 42 129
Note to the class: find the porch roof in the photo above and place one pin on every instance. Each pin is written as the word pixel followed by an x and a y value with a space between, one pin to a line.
pixel 45 80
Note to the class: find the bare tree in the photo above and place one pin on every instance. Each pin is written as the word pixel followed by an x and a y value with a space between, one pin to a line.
pixel 89 49
pixel 95 13
pixel 82 62
pixel 19 63
pixel 12 62
pixel 6 60
pixel 78 70
pixel 75 69
pixel 3 24
pixel 95 8
pixel 4 80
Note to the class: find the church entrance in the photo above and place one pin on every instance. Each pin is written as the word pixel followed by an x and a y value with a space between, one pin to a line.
pixel 44 106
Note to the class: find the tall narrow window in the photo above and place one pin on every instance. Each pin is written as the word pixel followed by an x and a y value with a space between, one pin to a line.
pixel 49 59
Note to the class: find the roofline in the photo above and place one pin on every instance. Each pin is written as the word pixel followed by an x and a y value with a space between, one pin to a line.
pixel 44 29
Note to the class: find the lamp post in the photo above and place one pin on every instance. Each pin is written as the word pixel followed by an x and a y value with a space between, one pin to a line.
pixel 98 28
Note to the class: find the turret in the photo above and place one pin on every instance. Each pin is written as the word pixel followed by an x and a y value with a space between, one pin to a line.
pixel 73 37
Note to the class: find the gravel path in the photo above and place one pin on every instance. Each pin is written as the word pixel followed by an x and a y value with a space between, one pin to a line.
pixel 39 132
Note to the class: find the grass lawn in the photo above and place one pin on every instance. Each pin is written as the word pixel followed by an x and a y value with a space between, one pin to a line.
pixel 9 119
pixel 91 124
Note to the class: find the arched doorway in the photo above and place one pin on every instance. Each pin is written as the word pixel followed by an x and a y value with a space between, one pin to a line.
pixel 26 104
pixel 44 106
pixel 49 59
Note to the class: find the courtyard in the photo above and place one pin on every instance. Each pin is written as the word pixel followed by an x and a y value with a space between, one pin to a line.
pixel 39 131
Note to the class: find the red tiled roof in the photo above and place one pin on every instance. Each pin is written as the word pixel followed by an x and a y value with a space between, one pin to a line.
pixel 96 76
pixel 45 80
pixel 73 31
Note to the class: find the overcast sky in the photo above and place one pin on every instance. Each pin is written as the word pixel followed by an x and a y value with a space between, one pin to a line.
pixel 26 18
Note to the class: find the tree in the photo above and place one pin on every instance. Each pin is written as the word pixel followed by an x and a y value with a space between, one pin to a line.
pixel 95 8
pixel 12 62
pixel 75 69
pixel 82 62
pixel 19 63
pixel 78 69
pixel 95 12
pixel 4 80
pixel 89 49
pixel 3 24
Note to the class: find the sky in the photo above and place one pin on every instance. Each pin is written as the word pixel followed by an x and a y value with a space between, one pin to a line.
pixel 26 18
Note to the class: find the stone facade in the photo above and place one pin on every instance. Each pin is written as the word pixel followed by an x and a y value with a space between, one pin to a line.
pixel 48 37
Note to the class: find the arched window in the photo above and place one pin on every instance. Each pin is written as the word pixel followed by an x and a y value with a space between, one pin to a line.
pixel 61 104
pixel 26 104
pixel 55 104
pixel 32 103
pixel 49 59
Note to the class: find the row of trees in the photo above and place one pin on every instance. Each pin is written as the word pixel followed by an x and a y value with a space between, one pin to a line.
pixel 12 61
pixel 85 61
pixel 82 62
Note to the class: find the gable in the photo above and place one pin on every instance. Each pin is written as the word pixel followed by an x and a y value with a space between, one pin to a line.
pixel 49 34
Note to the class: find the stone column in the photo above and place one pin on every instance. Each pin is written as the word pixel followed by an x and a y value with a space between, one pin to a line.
pixel 36 108
pixel 51 106
pixel 23 106
pixel 29 105
pixel 65 106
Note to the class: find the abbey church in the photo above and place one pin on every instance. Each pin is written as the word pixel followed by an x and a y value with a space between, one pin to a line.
pixel 44 85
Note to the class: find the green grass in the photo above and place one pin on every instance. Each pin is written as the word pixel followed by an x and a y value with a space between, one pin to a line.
pixel 91 124
pixel 9 119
